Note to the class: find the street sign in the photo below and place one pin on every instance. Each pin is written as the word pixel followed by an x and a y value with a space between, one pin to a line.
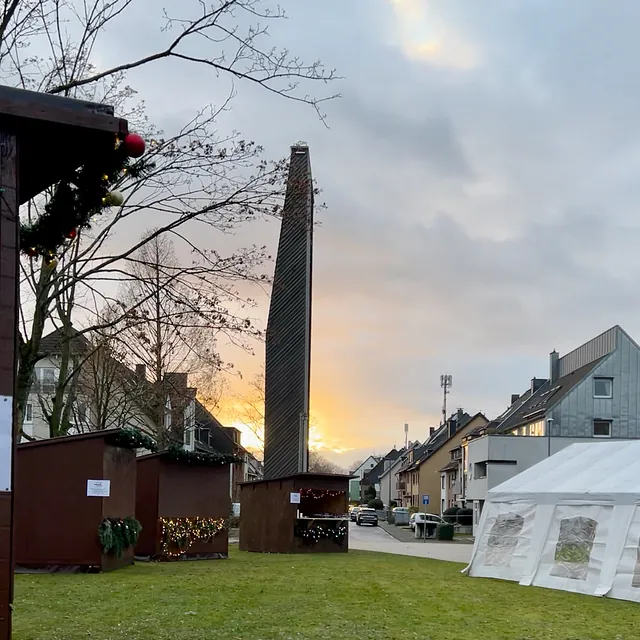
pixel 425 499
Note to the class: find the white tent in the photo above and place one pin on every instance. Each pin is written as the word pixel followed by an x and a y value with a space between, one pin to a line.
pixel 571 522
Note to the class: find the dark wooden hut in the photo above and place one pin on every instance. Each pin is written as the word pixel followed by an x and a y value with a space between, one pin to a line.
pixel 174 495
pixel 57 514
pixel 42 137
pixel 301 513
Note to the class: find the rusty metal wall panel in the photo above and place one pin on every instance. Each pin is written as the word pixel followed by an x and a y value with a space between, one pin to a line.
pixel 288 343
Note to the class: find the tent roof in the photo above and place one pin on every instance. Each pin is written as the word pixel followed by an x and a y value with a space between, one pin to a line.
pixel 599 470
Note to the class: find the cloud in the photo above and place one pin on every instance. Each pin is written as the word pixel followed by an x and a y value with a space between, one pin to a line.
pixel 425 37
pixel 480 173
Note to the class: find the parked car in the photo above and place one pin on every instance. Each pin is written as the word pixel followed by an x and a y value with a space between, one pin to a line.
pixel 367 516
pixel 421 521
pixel 420 518
pixel 354 513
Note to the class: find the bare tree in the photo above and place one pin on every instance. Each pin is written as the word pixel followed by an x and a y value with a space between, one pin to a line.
pixel 220 181
pixel 229 36
pixel 251 408
pixel 319 464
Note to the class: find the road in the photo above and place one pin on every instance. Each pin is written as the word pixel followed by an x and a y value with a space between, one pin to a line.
pixel 367 538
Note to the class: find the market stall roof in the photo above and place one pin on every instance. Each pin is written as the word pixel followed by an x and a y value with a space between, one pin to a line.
pixel 308 474
pixel 56 135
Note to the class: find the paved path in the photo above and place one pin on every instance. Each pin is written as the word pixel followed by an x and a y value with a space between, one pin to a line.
pixel 368 538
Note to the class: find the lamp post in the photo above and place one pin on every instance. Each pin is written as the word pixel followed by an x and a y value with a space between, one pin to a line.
pixel 549 424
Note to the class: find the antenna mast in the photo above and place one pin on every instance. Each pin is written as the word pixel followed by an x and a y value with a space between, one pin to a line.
pixel 406 436
pixel 446 382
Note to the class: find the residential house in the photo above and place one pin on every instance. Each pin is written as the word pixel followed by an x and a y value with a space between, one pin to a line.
pixel 372 477
pixel 408 475
pixel 593 392
pixel 388 481
pixel 358 474
pixel 451 485
pixel 107 394
pixel 437 455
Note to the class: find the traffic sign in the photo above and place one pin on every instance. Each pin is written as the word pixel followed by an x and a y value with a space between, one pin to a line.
pixel 425 499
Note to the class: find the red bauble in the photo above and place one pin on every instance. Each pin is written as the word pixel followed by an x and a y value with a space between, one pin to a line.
pixel 72 234
pixel 133 145
pixel 32 252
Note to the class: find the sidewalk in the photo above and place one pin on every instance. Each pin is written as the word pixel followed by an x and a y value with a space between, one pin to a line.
pixel 404 534
pixel 377 539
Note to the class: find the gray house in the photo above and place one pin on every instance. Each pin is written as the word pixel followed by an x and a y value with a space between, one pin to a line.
pixel 590 393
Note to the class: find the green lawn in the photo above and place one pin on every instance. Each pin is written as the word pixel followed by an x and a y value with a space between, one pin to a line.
pixel 260 597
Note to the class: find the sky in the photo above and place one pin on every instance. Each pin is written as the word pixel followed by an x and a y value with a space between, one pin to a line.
pixel 480 178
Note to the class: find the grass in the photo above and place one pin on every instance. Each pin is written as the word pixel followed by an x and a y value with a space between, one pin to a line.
pixel 263 597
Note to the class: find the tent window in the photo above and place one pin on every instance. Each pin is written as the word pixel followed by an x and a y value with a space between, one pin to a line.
pixel 573 550
pixel 503 539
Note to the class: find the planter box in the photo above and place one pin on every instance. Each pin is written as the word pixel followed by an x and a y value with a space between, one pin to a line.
pixel 56 523
pixel 171 490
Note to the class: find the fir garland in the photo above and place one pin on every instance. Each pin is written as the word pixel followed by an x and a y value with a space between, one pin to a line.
pixel 178 534
pixel 178 453
pixel 118 534
pixel 133 438
pixel 85 193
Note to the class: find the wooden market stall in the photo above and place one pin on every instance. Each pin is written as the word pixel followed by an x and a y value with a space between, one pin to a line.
pixel 65 489
pixel 183 507
pixel 42 139
pixel 302 513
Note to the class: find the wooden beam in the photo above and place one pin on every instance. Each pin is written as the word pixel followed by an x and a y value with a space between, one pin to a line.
pixel 9 238
pixel 22 105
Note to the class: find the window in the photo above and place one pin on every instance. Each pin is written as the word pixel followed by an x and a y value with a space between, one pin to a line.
pixel 48 379
pixel 28 413
pixel 442 481
pixel 480 470
pixel 188 439
pixel 602 388
pixel 602 428
pixel 503 539
pixel 573 550
pixel 167 414
pixel 81 412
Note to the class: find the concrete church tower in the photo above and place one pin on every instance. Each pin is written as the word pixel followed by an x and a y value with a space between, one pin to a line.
pixel 288 340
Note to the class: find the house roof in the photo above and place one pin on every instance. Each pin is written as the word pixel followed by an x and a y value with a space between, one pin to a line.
pixel 534 406
pixel 373 475
pixel 442 436
pixel 394 463
pixel 52 343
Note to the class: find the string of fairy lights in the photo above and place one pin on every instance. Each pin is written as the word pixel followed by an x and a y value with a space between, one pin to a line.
pixel 177 535
pixel 320 494
pixel 314 533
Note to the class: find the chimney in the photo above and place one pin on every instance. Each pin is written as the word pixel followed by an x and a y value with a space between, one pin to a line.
pixel 514 398
pixel 554 365
pixel 141 372
pixel 536 383
pixel 432 430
